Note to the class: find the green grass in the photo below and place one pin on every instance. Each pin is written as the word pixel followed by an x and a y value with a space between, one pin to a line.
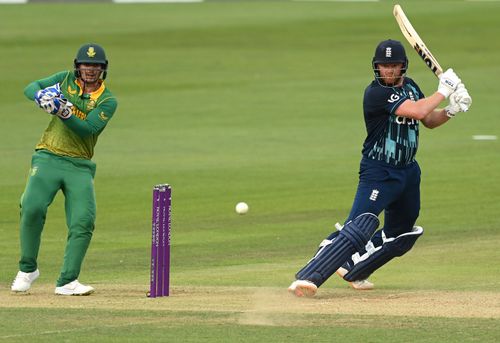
pixel 257 102
pixel 131 326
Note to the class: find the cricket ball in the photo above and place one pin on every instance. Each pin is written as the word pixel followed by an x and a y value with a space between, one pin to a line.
pixel 241 208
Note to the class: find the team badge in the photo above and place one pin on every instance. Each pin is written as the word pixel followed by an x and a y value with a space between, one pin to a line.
pixel 33 171
pixel 388 52
pixel 374 195
pixel 91 52
pixel 90 105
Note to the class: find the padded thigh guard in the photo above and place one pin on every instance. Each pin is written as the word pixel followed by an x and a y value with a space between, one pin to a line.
pixel 335 251
pixel 375 258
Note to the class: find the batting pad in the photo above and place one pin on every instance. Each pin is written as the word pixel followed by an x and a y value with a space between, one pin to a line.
pixel 375 258
pixel 333 253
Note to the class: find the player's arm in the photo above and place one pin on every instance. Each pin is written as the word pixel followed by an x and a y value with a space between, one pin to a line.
pixel 426 109
pixel 35 86
pixel 421 108
pixel 96 119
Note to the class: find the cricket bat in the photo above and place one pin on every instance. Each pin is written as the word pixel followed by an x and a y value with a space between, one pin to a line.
pixel 415 41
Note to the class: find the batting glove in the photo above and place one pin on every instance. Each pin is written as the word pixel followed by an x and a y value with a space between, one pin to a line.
pixel 453 107
pixel 460 101
pixel 448 83
pixel 463 98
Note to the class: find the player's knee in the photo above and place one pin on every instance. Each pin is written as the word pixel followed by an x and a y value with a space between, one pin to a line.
pixel 33 212
pixel 377 257
pixel 403 243
pixel 83 225
pixel 359 230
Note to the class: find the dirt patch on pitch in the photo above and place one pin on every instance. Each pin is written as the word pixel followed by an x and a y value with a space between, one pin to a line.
pixel 259 306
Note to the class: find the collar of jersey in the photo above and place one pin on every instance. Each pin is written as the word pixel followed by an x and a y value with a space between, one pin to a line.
pixel 93 95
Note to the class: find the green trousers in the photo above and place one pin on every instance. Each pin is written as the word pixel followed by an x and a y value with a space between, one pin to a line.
pixel 75 178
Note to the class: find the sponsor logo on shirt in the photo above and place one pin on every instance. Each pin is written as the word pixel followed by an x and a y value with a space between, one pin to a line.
pixel 79 113
pixel 103 116
pixel 405 121
pixel 393 98
pixel 71 90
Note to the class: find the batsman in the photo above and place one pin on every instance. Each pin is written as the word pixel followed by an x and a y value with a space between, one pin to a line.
pixel 389 175
pixel 80 106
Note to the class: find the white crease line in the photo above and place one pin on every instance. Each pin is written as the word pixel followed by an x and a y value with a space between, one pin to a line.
pixel 484 137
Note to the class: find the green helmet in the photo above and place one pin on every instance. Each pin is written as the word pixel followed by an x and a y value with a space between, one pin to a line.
pixel 91 53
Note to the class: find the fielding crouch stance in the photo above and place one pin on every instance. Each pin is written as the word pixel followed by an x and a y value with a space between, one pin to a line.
pixel 81 106
pixel 389 176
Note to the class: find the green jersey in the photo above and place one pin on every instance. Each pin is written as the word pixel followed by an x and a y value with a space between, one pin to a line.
pixel 77 135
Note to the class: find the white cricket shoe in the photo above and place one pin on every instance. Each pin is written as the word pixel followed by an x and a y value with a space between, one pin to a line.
pixel 23 281
pixel 74 288
pixel 360 285
pixel 302 288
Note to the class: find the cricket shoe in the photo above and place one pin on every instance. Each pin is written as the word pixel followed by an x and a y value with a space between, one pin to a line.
pixel 301 288
pixel 74 288
pixel 23 281
pixel 360 285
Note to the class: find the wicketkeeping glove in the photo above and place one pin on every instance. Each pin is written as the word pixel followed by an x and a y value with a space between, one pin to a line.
pixel 65 109
pixel 46 94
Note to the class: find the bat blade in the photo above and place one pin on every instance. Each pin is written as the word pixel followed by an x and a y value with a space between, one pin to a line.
pixel 415 41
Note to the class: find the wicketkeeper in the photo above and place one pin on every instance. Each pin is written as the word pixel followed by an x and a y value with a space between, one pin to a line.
pixel 389 176
pixel 81 106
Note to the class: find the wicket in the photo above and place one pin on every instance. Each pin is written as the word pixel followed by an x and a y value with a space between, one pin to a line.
pixel 160 242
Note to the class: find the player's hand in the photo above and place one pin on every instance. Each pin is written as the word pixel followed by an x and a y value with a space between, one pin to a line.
pixel 460 101
pixel 453 107
pixel 448 83
pixel 59 106
pixel 46 94
pixel 462 98
pixel 65 109
pixel 49 105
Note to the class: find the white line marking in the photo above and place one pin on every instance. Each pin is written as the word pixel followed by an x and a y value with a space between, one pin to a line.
pixel 153 1
pixel 336 0
pixel 13 1
pixel 484 137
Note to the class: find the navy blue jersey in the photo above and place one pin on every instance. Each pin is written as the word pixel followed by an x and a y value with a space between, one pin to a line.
pixel 390 138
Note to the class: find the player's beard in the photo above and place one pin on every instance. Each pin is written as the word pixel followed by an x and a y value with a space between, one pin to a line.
pixel 392 78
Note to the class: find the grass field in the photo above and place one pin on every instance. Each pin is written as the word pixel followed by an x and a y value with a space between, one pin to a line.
pixel 257 102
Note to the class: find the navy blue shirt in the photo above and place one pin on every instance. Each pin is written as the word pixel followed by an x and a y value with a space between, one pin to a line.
pixel 391 139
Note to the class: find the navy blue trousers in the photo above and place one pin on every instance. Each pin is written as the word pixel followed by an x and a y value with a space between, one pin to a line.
pixel 396 191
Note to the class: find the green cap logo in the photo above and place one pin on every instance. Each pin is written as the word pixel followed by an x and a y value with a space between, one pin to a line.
pixel 91 52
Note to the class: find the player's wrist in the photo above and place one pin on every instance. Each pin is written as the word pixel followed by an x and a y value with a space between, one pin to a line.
pixel 449 112
pixel 445 92
pixel 65 114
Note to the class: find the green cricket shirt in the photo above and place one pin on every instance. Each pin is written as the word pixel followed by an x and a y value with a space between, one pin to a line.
pixel 77 135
